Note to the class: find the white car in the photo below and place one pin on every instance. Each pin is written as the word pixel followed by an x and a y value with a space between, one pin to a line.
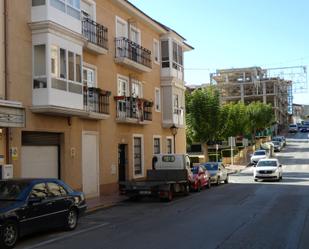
pixel 258 155
pixel 268 169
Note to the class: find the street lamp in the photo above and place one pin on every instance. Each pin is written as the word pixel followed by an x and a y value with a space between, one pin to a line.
pixel 174 130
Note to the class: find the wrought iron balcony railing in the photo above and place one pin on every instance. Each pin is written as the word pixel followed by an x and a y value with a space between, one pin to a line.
pixel 126 48
pixel 95 33
pixel 96 100
pixel 133 108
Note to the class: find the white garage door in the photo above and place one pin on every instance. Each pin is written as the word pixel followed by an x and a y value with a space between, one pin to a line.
pixel 39 161
pixel 90 164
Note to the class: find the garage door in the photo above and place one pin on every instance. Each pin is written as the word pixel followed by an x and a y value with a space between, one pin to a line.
pixel 39 161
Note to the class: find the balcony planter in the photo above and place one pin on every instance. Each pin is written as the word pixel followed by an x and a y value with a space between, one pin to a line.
pixel 119 98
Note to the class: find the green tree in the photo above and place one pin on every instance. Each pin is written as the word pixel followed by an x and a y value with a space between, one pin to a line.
pixel 204 116
pixel 260 116
pixel 236 119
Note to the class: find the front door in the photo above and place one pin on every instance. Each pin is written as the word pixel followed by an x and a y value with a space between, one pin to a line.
pixel 122 162
pixel 90 160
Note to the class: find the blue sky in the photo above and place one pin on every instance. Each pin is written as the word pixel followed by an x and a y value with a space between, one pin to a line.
pixel 237 33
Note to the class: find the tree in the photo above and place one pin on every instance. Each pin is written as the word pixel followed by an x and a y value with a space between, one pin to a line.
pixel 260 117
pixel 236 119
pixel 204 116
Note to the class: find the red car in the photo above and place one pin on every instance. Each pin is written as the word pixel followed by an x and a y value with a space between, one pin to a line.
pixel 201 178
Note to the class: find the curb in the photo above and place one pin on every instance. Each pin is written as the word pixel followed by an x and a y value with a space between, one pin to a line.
pixel 100 207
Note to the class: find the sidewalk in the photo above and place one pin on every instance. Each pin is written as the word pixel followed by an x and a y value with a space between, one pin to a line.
pixel 103 201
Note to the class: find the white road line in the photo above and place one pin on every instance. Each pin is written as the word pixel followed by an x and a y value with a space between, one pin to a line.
pixel 65 236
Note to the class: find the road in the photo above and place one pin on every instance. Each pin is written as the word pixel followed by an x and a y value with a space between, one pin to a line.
pixel 242 214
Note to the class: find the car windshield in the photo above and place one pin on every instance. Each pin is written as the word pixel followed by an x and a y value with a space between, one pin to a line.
pixel 11 190
pixel 267 164
pixel 211 166
pixel 194 170
pixel 259 153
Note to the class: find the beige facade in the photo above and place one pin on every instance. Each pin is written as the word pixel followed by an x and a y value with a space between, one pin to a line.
pixel 87 120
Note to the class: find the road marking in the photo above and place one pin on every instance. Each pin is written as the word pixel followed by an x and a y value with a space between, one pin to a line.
pixel 66 236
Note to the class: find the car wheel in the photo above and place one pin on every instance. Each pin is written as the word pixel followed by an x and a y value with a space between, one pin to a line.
pixel 9 235
pixel 255 179
pixel 281 178
pixel 71 220
pixel 186 189
pixel 199 187
pixel 227 179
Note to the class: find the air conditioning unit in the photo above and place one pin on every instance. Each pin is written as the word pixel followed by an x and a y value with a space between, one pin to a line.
pixel 6 171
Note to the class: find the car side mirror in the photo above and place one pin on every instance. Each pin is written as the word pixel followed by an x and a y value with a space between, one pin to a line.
pixel 33 200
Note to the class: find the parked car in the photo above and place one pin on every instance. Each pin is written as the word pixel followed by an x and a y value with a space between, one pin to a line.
pixel 268 169
pixel 304 129
pixel 33 205
pixel 217 171
pixel 257 155
pixel 201 178
pixel 277 146
pixel 293 128
pixel 281 139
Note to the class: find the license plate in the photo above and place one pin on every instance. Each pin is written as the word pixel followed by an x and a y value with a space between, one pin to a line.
pixel 144 192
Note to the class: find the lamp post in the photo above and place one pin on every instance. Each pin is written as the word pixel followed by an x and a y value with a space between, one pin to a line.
pixel 174 130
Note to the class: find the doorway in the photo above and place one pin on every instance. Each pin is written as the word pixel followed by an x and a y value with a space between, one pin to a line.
pixel 122 162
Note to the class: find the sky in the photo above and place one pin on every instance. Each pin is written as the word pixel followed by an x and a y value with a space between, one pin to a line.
pixel 237 33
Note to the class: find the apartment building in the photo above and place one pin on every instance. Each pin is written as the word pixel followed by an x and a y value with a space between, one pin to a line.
pixel 102 83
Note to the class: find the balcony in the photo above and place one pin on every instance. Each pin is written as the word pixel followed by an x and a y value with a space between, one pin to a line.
pixel 176 117
pixel 96 102
pixel 132 55
pixel 96 35
pixel 133 110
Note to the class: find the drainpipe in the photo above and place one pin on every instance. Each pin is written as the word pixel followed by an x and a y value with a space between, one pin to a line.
pixel 7 133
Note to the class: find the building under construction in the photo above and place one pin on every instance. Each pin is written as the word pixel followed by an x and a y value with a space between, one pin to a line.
pixel 254 84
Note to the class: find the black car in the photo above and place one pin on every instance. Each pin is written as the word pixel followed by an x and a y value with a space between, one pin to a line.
pixel 32 205
pixel 304 129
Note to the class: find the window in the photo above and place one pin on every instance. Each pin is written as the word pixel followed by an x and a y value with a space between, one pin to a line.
pixel 121 27
pixel 39 191
pixel 71 7
pixel 135 35
pixel 169 147
pixel 136 89
pixel 156 51
pixel 63 64
pixel 39 60
pixel 55 190
pixel 138 156
pixel 157 100
pixel 89 77
pixel 38 2
pixel 78 68
pixel 156 145
pixel 54 61
pixel 71 66
pixel 177 56
pixel 123 89
pixel 176 101
pixel 165 54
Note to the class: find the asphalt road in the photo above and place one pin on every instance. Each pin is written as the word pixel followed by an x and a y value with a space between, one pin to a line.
pixel 242 214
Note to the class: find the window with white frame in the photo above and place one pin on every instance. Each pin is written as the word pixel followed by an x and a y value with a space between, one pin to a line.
pixel 157 99
pixel 136 88
pixel 89 76
pixel 39 66
pixel 177 56
pixel 156 145
pixel 169 145
pixel 61 60
pixel 138 155
pixel 70 7
pixel 135 35
pixel 121 27
pixel 123 87
pixel 176 102
pixel 156 51
pixel 165 60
